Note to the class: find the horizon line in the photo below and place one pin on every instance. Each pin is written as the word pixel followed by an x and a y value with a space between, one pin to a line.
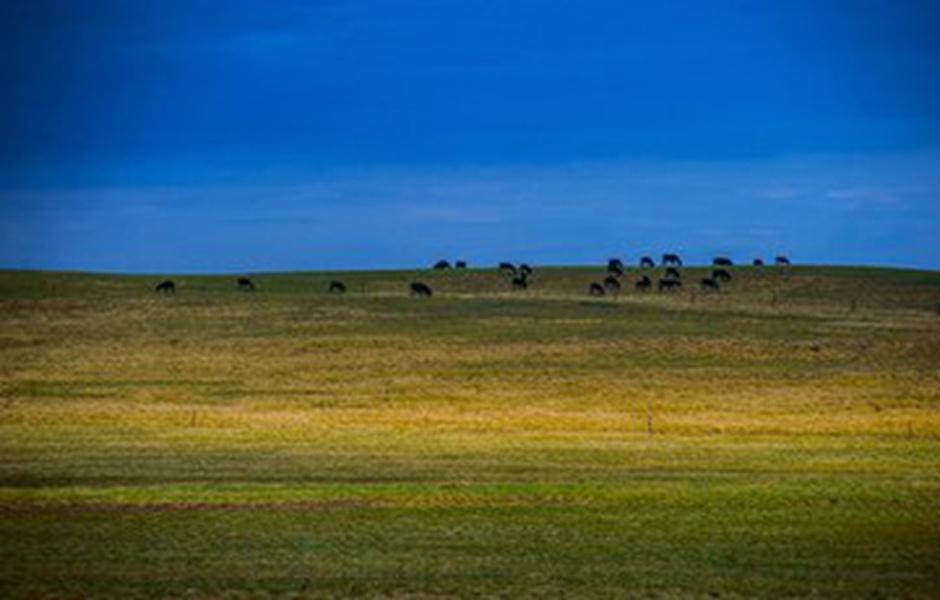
pixel 599 265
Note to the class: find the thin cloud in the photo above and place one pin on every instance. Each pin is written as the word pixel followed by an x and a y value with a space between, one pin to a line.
pixel 863 195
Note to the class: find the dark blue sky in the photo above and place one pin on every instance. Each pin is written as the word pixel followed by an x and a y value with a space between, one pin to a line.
pixel 237 136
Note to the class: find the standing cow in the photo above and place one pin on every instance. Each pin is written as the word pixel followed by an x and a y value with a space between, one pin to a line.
pixel 420 289
pixel 669 284
pixel 672 259
pixel 612 285
pixel 721 275
pixel 708 284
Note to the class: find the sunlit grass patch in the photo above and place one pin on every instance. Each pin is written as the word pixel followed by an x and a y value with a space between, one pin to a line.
pixel 780 438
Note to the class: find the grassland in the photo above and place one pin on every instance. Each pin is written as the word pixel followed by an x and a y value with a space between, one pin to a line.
pixel 781 438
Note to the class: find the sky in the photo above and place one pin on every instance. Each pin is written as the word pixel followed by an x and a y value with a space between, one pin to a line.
pixel 189 136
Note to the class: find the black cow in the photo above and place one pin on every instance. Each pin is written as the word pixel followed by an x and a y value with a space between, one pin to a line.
pixel 669 284
pixel 612 285
pixel 245 284
pixel 525 269
pixel 460 264
pixel 672 259
pixel 643 284
pixel 420 289
pixel 647 263
pixel 596 289
pixel 507 267
pixel 782 261
pixel 758 262
pixel 722 261
pixel 615 262
pixel 672 273
pixel 721 275
pixel 441 265
pixel 709 284
pixel 613 269
pixel 337 287
pixel 519 282
pixel 165 287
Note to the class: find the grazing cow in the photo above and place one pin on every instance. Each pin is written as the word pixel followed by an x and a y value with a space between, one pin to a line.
pixel 337 287
pixel 525 270
pixel 721 275
pixel 647 263
pixel 672 273
pixel 782 261
pixel 596 289
pixel 612 285
pixel 166 287
pixel 441 265
pixel 507 267
pixel 420 289
pixel 709 284
pixel 643 284
pixel 758 262
pixel 245 284
pixel 615 262
pixel 672 259
pixel 460 264
pixel 520 282
pixel 669 284
pixel 613 269
pixel 722 261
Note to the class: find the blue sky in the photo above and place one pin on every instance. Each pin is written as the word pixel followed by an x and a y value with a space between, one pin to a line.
pixel 247 136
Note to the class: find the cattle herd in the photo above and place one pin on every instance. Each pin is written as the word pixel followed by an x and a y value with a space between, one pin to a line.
pixel 520 277
pixel 671 276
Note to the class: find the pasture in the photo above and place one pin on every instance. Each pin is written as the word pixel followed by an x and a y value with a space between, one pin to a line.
pixel 779 438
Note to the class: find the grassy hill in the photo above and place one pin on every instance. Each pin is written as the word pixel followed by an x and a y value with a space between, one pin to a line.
pixel 779 438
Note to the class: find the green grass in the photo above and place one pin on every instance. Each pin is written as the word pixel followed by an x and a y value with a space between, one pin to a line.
pixel 483 442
